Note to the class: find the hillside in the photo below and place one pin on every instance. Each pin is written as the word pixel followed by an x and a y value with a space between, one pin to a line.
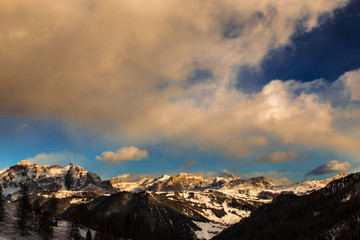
pixel 329 213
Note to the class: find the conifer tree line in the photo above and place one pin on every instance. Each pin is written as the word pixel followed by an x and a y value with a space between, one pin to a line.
pixel 32 217
pixel 37 218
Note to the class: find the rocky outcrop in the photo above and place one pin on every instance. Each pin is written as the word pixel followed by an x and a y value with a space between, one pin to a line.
pixel 233 182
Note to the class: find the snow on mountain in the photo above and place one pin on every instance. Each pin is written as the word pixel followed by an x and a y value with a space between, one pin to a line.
pixel 50 178
pixel 223 200
pixel 331 212
pixel 127 186
pixel 194 182
pixel 307 185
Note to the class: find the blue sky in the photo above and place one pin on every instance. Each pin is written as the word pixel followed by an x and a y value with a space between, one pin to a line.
pixel 253 89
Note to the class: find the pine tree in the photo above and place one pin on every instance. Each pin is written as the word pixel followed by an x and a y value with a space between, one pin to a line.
pixel 2 204
pixel 53 206
pixel 45 228
pixel 88 235
pixel 36 215
pixel 23 212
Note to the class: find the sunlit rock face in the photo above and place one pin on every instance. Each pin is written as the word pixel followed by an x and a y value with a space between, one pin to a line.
pixel 50 178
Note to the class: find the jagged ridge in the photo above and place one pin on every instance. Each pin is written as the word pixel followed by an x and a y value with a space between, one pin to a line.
pixel 51 178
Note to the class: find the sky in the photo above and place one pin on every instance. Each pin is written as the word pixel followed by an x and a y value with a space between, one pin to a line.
pixel 252 88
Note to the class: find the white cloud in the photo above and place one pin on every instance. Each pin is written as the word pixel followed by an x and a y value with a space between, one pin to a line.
pixel 133 177
pixel 352 82
pixel 123 154
pixel 334 166
pixel 56 158
pixel 277 157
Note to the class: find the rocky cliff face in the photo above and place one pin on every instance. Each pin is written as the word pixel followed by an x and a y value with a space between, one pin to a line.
pixel 182 181
pixel 50 178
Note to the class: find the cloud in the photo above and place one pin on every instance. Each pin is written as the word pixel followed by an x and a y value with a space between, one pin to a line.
pixel 133 177
pixel 186 165
pixel 231 172
pixel 282 181
pixel 120 67
pixel 56 158
pixel 352 83
pixel 22 127
pixel 123 154
pixel 277 177
pixel 277 157
pixel 334 166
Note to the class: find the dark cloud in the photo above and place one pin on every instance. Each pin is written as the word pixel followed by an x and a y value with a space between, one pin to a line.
pixel 186 165
pixel 334 166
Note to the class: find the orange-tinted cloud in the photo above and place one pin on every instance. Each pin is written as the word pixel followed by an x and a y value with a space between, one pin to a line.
pixel 100 64
pixel 123 154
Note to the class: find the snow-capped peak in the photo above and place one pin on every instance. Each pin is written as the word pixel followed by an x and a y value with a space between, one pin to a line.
pixel 163 178
pixel 50 178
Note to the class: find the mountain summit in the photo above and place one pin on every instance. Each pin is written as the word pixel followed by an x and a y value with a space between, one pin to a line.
pixel 51 178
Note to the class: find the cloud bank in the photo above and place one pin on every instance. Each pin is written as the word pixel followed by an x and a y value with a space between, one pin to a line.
pixel 123 154
pixel 122 68
pixel 334 166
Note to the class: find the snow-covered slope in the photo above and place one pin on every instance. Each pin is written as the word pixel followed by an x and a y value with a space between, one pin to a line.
pixel 307 185
pixel 50 178
pixel 222 200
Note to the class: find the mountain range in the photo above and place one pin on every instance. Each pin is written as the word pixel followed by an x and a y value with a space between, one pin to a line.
pixel 185 206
